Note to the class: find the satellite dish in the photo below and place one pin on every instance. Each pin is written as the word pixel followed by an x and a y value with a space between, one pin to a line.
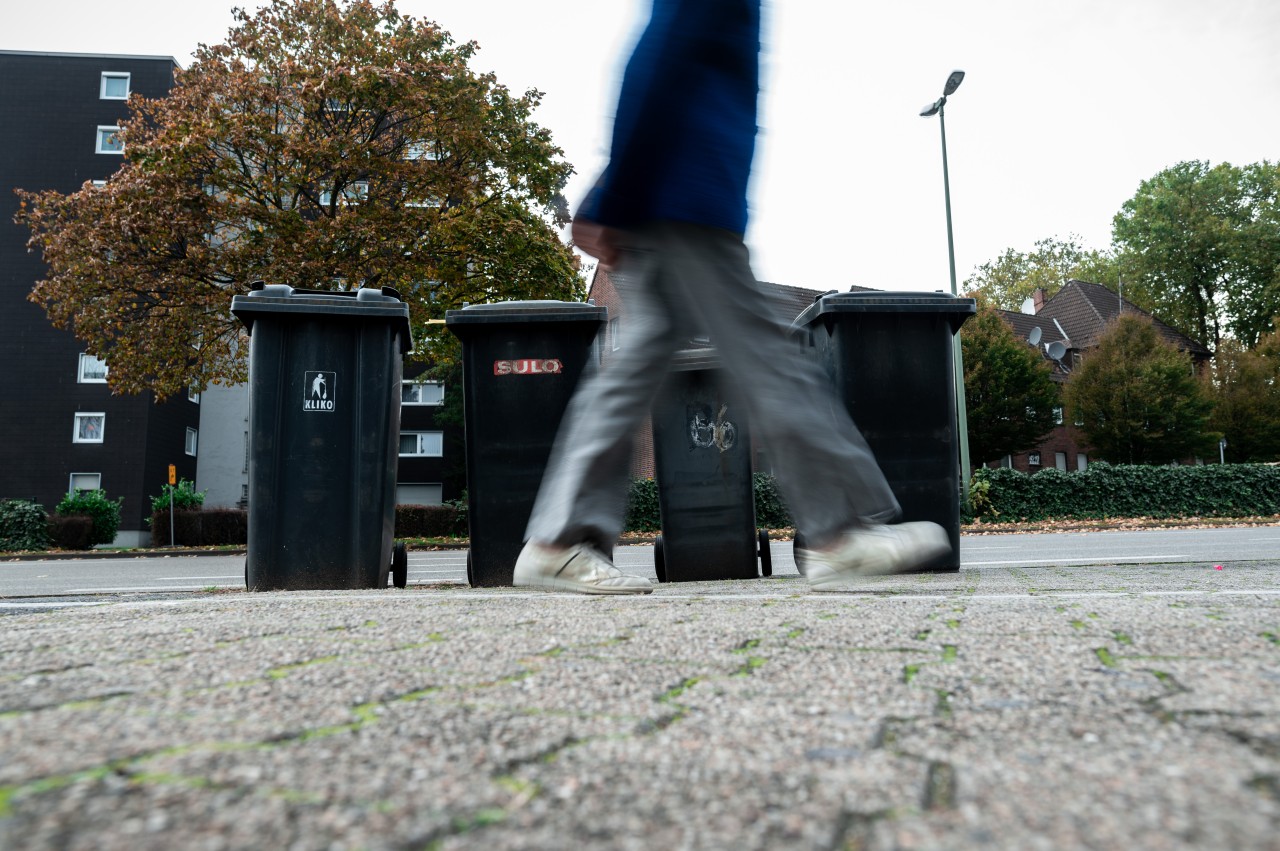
pixel 1055 350
pixel 1034 337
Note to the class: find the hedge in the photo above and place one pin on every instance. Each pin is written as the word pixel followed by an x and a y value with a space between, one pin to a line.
pixel 104 513
pixel 71 531
pixel 207 527
pixel 1104 490
pixel 431 521
pixel 24 525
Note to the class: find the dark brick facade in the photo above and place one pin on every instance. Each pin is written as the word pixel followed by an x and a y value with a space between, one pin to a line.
pixel 53 107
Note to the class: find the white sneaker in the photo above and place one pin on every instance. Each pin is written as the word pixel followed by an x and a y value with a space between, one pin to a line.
pixel 874 551
pixel 580 568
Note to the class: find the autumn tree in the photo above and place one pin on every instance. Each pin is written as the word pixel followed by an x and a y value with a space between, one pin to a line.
pixel 1202 244
pixel 1138 397
pixel 1245 387
pixel 1011 278
pixel 326 145
pixel 1009 393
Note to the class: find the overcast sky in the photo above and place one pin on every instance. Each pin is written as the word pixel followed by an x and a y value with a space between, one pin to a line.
pixel 1065 109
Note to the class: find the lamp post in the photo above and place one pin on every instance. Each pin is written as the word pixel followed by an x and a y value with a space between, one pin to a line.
pixel 962 415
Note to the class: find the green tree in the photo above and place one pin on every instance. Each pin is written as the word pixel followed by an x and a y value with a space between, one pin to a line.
pixel 1201 246
pixel 326 145
pixel 1012 277
pixel 1009 391
pixel 1138 397
pixel 1245 387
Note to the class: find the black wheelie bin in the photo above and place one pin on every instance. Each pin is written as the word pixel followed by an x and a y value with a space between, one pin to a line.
pixel 702 462
pixel 889 358
pixel 324 420
pixel 521 362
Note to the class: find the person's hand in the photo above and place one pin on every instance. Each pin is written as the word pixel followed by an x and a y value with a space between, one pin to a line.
pixel 597 240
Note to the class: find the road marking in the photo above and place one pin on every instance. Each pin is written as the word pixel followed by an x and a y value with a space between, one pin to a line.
pixel 1141 559
pixel 191 578
pixel 53 604
pixel 144 588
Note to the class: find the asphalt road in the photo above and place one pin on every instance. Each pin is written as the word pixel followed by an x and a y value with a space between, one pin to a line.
pixel 164 575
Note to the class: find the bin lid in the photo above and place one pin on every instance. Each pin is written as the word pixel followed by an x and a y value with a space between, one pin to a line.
pixel 958 309
pixel 544 310
pixel 362 304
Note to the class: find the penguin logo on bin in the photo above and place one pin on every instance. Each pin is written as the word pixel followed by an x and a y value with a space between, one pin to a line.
pixel 318 392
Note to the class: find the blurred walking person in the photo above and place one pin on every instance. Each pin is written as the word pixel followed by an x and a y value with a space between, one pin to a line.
pixel 667 218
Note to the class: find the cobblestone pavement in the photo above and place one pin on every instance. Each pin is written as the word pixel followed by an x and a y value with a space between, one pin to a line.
pixel 1102 707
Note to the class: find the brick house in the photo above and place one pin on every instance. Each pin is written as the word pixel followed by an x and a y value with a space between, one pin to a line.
pixel 1075 317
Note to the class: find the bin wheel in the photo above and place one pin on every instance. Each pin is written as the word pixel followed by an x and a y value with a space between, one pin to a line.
pixel 797 544
pixel 766 557
pixel 471 573
pixel 660 559
pixel 400 564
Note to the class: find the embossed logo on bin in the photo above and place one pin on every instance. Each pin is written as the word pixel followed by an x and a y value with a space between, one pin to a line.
pixel 528 366
pixel 318 391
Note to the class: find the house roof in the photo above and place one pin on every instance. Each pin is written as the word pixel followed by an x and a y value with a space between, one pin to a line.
pixel 1083 310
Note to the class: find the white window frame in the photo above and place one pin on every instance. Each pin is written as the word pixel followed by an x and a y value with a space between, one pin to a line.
pixel 1082 461
pixel 1060 461
pixel 191 443
pixel 193 395
pixel 615 333
pixel 353 193
pixel 82 377
pixel 98 146
pixel 71 482
pixel 421 151
pixel 1057 415
pixel 98 184
pixel 1033 459
pixel 422 451
pixel 115 75
pixel 84 415
pixel 418 385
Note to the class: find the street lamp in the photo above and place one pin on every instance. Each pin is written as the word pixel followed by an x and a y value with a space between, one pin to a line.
pixel 962 415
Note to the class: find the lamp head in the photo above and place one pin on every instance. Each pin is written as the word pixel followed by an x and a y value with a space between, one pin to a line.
pixel 932 108
pixel 953 83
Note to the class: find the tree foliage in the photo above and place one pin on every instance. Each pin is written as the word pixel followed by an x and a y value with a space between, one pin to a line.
pixel 1138 397
pixel 1009 392
pixel 1203 246
pixel 326 145
pixel 1245 387
pixel 1011 278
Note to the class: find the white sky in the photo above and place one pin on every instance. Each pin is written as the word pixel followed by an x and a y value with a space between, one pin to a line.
pixel 1065 109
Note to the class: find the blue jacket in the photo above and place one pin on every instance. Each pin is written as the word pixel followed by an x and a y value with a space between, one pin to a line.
pixel 685 130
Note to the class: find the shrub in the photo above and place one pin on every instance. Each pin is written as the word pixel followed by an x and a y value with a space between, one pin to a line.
pixel 104 513
pixel 1131 490
pixel 185 497
pixel 201 527
pixel 71 531
pixel 24 525
pixel 771 511
pixel 642 507
pixel 427 521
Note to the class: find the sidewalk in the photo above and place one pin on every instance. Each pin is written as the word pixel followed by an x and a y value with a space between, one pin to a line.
pixel 1104 707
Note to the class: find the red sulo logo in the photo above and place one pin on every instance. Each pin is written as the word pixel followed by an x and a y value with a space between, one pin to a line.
pixel 528 366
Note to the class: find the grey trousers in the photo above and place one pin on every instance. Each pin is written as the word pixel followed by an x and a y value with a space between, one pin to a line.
pixel 678 281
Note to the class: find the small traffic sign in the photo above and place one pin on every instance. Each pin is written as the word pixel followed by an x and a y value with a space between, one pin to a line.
pixel 173 474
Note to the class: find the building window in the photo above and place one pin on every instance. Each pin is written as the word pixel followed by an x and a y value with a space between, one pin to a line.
pixel 422 393
pixel 421 444
pixel 352 193
pixel 1082 461
pixel 193 395
pixel 98 184
pixel 421 151
pixel 1033 459
pixel 109 141
pixel 92 370
pixel 1057 416
pixel 115 85
pixel 85 482
pixel 89 428
pixel 1060 461
pixel 1007 462
pixel 615 340
pixel 190 445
